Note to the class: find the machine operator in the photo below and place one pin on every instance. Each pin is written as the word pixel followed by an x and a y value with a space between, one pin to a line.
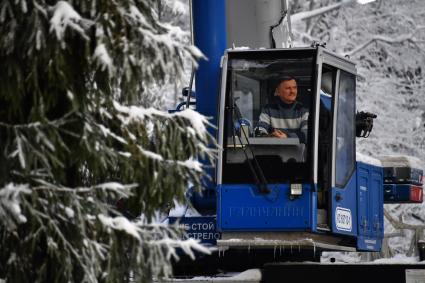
pixel 285 117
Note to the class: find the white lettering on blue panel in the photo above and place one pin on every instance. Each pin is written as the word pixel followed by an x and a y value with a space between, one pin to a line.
pixel 343 219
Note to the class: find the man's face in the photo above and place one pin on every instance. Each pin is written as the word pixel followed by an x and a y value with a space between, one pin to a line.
pixel 287 91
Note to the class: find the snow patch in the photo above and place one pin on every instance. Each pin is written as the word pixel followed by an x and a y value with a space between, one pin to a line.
pixel 150 154
pixel 176 7
pixel 239 48
pixel 178 210
pixel 120 223
pixel 69 212
pixel 64 15
pixel 197 120
pixel 191 164
pixel 10 200
pixel 101 55
pixel 250 275
pixel 368 159
pixel 196 52
pixel 398 259
pixel 138 114
pixel 401 161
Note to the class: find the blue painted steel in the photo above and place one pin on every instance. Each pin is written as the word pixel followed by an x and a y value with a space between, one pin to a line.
pixel 370 207
pixel 204 202
pixel 371 244
pixel 209 27
pixel 202 228
pixel 244 208
pixel 209 32
pixel 344 208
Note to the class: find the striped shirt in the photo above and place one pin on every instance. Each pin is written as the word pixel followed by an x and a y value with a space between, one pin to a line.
pixel 292 119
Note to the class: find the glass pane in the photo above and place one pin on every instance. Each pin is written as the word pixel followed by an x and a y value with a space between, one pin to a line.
pixel 345 132
pixel 267 117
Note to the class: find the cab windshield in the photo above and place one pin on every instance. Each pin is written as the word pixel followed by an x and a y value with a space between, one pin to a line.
pixel 268 117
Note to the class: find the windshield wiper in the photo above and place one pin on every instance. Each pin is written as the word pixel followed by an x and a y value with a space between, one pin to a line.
pixel 255 167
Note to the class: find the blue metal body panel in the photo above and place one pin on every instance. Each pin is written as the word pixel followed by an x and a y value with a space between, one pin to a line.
pixel 370 200
pixel 344 208
pixel 243 207
pixel 202 228
pixel 209 32
pixel 209 26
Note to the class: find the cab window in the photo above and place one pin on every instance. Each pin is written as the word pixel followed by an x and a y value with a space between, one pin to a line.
pixel 255 108
pixel 345 130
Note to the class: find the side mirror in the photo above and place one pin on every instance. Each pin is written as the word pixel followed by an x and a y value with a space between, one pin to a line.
pixel 364 124
pixel 186 91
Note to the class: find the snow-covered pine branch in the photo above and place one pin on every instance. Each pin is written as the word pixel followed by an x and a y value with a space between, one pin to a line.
pixel 10 210
pixel 77 128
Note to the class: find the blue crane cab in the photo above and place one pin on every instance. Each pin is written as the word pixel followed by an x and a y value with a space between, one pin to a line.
pixel 307 190
pixel 280 190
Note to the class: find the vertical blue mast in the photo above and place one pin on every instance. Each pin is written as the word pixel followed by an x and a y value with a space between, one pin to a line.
pixel 209 33
pixel 209 28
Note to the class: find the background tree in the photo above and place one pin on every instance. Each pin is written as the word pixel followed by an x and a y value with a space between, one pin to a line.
pixel 72 143
pixel 386 39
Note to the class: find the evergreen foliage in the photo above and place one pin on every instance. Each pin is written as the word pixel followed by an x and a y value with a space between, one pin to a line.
pixel 73 144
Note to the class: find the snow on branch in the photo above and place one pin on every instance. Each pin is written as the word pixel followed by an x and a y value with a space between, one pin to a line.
pixel 10 209
pixel 121 190
pixel 191 164
pixel 320 11
pixel 391 40
pixel 121 224
pixel 102 57
pixel 188 246
pixel 176 7
pixel 153 235
pixel 65 16
pixel 53 123
pixel 138 114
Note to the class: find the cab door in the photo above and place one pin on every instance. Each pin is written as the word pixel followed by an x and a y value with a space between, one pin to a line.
pixel 336 143
pixel 344 183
